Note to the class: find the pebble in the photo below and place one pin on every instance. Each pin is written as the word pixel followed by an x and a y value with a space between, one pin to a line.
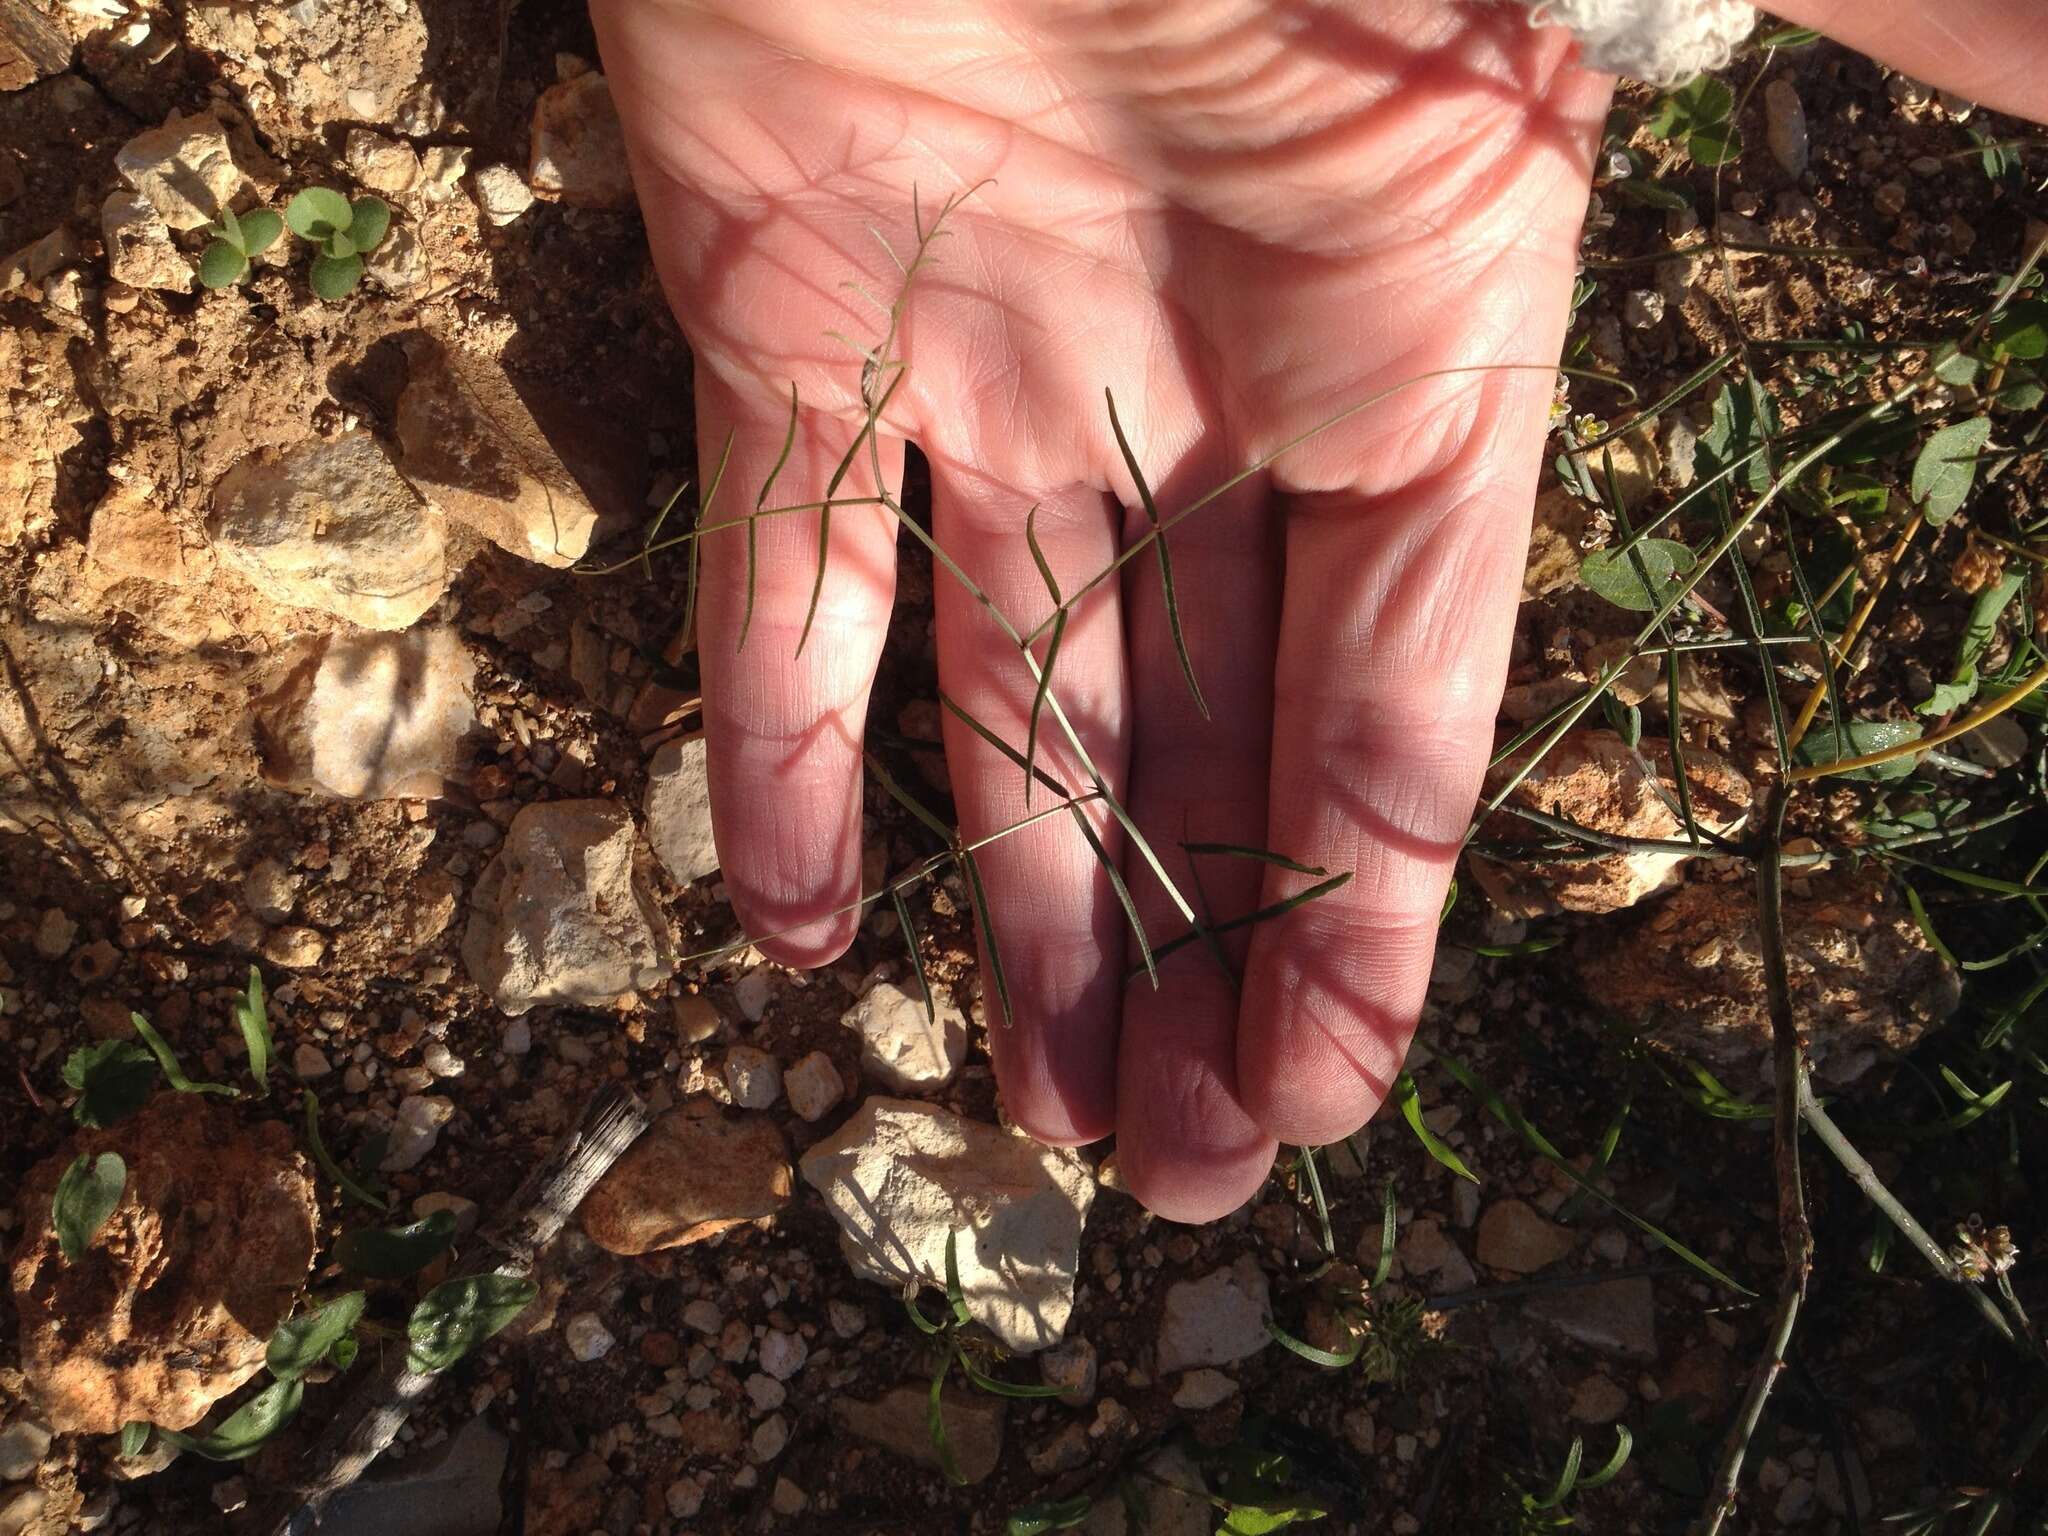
pixel 766 1393
pixel 1999 742
pixel 735 1341
pixel 417 1129
pixel 309 1061
pixel 296 949
pixel 1070 1366
pixel 441 1061
pixel 184 170
pixel 54 934
pixel 678 811
pixel 587 1337
pixel 783 1354
pixel 684 1497
pixel 138 245
pixel 692 1175
pixel 1215 1320
pixel 1514 1238
pixel 1596 1400
pixel 1643 309
pixel 23 1444
pixel 769 1438
pixel 1202 1389
pixel 901 1047
pixel 703 1315
pixel 696 1017
pixel 1616 1317
pixel 270 891
pixel 813 1086
pixel 787 1499
pixel 753 1076
pixel 751 992
pixel 848 1320
pixel 897 1422
pixel 389 166
pixel 517 1038
pixel 500 193
pixel 1785 126
pixel 464 1210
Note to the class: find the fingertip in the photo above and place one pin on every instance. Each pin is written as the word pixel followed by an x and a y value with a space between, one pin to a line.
pixel 1067 1113
pixel 1195 1183
pixel 1321 1044
pixel 804 947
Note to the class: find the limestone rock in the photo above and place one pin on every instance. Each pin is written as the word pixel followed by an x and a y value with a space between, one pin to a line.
pixel 500 193
pixel 753 1076
pixel 184 170
pixel 1515 1238
pixel 305 67
pixel 471 445
pixel 370 717
pixel 1560 522
pixel 1616 1317
pixel 416 1131
pixel 1785 126
pixel 139 248
pixel 399 264
pixel 813 1086
pixel 900 1047
pixel 561 915
pixel 1217 1319
pixel 579 151
pixel 690 1177
pixel 170 1307
pixel 31 49
pixel 1865 982
pixel 678 810
pixel 897 1422
pixel 387 166
pixel 329 524
pixel 1591 778
pixel 899 1175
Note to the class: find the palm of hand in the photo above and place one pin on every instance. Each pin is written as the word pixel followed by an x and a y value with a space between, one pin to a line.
pixel 1240 224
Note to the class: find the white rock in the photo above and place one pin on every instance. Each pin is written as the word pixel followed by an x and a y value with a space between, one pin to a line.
pixel 561 915
pixel 848 1321
pixel 787 1499
pixel 370 717
pixel 1070 1366
pixel 899 1176
pixel 139 248
pixel 752 992
pixel 517 1039
pixel 500 193
pixel 1999 742
pixel 418 1127
pixel 383 165
pixel 678 810
pixel 183 169
pixel 55 933
pixel 1215 1320
pixel 587 1337
pixel 271 891
pixel 783 1354
pixel 398 265
pixel 813 1086
pixel 309 1061
pixel 1201 1389
pixel 900 1047
pixel 579 150
pixel 329 524
pixel 441 171
pixel 754 1077
pixel 703 1315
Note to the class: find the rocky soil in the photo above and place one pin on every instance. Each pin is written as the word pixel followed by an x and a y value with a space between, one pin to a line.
pixel 296 672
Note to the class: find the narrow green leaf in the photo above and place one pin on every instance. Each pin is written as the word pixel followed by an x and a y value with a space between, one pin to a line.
pixel 334 278
pixel 369 221
pixel 166 1058
pixel 956 1298
pixel 1263 855
pixel 935 1421
pixel 995 1386
pixel 317 212
pixel 243 1432
pixel 1043 1515
pixel 1264 914
pixel 1180 644
pixel 1567 1478
pixel 113 1080
pixel 1926 925
pixel 1624 1443
pixel 1410 1101
pixel 302 1342
pixel 221 265
pixel 1334 1360
pixel 85 1197
pixel 1052 656
pixel 924 986
pixel 1947 468
pixel 1385 1267
pixel 252 1018
pixel 318 1147
pixel 1511 1117
pixel 1614 573
pixel 260 229
pixel 923 1324
pixel 753 531
pixel 984 921
pixel 456 1316
pixel 392 1253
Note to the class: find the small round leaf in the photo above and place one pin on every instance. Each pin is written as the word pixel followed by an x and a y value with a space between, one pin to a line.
pixel 221 265
pixel 260 229
pixel 317 212
pixel 1614 575
pixel 333 277
pixel 371 218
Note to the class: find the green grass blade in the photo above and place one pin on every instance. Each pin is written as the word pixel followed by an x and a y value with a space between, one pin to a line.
pixel 1410 1102
pixel 1329 1359
pixel 705 503
pixel 986 924
pixel 910 939
pixel 1385 1267
pixel 935 1420
pixel 1264 914
pixel 909 802
pixel 1512 1118
pixel 956 1295
pixel 1624 1443
pixel 1052 655
pixel 1263 855
pixel 328 1165
pixel 166 1058
pixel 1180 644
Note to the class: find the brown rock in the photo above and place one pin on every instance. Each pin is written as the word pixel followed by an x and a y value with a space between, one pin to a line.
pixel 896 1421
pixel 1513 1237
pixel 473 448
pixel 1864 979
pixel 1590 778
pixel 579 151
pixel 170 1307
pixel 690 1177
pixel 1560 521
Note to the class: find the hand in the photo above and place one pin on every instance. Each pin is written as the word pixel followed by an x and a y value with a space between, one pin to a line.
pixel 1241 217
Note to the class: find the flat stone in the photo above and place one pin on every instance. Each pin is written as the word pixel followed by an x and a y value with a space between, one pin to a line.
pixel 896 1421
pixel 579 150
pixel 1216 1320
pixel 329 524
pixel 1513 1237
pixel 691 1176
pixel 900 1047
pixel 370 717
pixel 1616 1317
pixel 678 810
pixel 1203 1389
pixel 184 170
pixel 813 1086
pixel 139 248
pixel 1426 1251
pixel 753 1076
pixel 561 914
pixel 471 445
pixel 899 1176
pixel 1785 126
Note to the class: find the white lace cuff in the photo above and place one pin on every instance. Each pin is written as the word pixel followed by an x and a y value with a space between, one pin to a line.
pixel 1658 41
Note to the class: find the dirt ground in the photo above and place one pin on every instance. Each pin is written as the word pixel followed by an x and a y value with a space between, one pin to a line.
pixel 158 836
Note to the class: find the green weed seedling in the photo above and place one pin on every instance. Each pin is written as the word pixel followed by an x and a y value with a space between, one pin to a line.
pixel 236 242
pixel 1530 1513
pixel 955 1343
pixel 341 234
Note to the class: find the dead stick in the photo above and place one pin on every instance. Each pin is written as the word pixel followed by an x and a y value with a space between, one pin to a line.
pixel 374 1413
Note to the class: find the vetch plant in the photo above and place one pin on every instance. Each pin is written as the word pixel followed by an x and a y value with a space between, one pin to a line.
pixel 236 242
pixel 341 233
